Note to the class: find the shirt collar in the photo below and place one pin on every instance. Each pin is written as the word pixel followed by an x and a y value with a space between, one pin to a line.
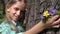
pixel 14 22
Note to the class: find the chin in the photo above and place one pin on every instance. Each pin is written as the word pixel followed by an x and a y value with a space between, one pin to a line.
pixel 15 19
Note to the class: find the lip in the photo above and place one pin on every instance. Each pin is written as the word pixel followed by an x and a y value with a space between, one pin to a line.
pixel 16 17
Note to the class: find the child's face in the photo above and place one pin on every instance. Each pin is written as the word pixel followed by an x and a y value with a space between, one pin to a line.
pixel 15 10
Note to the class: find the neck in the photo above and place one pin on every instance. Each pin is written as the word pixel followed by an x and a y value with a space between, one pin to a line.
pixel 11 24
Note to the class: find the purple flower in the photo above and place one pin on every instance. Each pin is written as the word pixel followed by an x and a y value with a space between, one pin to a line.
pixel 51 11
pixel 41 16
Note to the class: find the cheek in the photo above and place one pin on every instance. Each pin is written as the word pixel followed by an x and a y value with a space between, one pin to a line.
pixel 12 13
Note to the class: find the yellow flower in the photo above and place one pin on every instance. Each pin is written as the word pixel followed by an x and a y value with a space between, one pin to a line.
pixel 46 13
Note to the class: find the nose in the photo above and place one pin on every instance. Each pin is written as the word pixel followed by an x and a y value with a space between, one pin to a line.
pixel 18 13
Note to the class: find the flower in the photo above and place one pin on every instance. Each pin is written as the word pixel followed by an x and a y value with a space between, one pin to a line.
pixel 46 14
pixel 51 11
pixel 41 16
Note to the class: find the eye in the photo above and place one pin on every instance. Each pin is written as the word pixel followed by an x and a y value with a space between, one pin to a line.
pixel 22 10
pixel 16 9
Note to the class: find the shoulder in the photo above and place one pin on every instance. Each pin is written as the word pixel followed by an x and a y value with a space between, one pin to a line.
pixel 4 26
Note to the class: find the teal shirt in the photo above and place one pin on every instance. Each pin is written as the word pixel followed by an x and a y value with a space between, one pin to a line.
pixel 5 28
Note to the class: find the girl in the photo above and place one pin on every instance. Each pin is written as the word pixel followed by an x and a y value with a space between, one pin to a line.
pixel 11 24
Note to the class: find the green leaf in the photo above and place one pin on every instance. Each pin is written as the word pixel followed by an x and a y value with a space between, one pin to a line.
pixel 57 12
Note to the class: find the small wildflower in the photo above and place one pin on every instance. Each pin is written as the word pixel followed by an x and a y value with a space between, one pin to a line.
pixel 51 11
pixel 46 14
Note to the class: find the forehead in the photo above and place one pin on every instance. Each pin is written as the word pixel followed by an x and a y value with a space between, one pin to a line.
pixel 19 4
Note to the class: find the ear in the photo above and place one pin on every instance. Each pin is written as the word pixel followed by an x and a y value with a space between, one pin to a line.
pixel 7 8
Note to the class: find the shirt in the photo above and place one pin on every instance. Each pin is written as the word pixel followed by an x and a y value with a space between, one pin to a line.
pixel 5 28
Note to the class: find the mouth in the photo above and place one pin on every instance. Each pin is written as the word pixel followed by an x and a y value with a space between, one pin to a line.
pixel 17 17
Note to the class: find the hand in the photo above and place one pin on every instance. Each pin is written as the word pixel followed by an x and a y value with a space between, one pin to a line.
pixel 52 21
pixel 56 24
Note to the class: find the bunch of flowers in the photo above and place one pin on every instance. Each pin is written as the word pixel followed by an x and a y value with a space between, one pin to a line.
pixel 48 13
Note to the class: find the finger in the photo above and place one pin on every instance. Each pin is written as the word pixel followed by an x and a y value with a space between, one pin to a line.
pixel 56 26
pixel 56 22
pixel 52 19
